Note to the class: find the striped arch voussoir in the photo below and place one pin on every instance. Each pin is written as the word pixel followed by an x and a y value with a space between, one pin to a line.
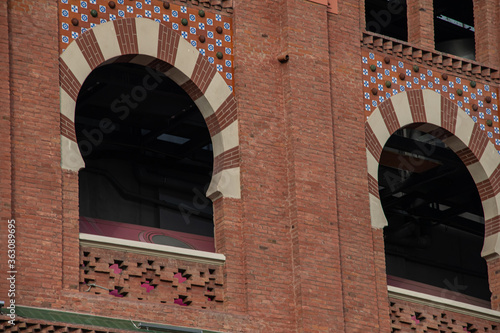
pixel 444 119
pixel 145 42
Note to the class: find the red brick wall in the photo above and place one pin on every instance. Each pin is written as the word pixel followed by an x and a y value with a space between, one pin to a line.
pixel 310 167
pixel 5 143
pixel 494 282
pixel 265 215
pixel 485 23
pixel 301 253
pixel 421 23
pixel 36 173
pixel 365 303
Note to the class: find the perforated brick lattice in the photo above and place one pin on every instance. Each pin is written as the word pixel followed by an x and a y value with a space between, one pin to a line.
pixel 411 317
pixel 162 280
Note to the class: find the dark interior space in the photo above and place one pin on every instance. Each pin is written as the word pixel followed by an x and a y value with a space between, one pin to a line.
pixel 147 151
pixel 454 27
pixel 387 17
pixel 435 229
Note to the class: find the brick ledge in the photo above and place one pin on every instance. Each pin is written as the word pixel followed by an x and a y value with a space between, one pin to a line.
pixel 436 59
pixel 165 251
pixel 443 304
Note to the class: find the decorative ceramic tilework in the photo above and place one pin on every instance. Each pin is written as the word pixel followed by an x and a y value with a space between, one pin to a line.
pixel 428 78
pixel 153 9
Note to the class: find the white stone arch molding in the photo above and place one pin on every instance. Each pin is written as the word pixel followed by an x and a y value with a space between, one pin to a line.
pixel 146 42
pixel 434 112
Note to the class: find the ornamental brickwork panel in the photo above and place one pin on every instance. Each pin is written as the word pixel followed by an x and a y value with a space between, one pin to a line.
pixel 153 279
pixel 412 317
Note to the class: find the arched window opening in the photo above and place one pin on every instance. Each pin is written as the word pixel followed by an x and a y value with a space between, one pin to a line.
pixel 435 230
pixel 387 17
pixel 454 27
pixel 148 159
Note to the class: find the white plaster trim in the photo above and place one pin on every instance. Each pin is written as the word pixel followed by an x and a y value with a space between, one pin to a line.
pixel 464 127
pixel 217 92
pixel 432 105
pixel 477 172
pixel 490 207
pixel 165 251
pixel 379 221
pixel 444 304
pixel 455 143
pixel 226 139
pixel 372 165
pixel 490 158
pixel 147 36
pixel 226 184
pixel 141 59
pixel 77 64
pixel 379 127
pixel 71 159
pixel 204 106
pixel 68 105
pixel 400 103
pixel 177 76
pixel 105 35
pixel 491 247
pixel 186 57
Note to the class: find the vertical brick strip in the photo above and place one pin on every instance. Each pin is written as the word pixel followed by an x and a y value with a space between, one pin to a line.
pixel 168 42
pixel 417 107
pixel 374 147
pixel 68 128
pixel 389 116
pixel 160 65
pixel 449 111
pixel 495 180
pixel 485 190
pixel 373 186
pixel 90 49
pixel 478 140
pixel 222 117
pixel 203 73
pixel 127 36
pixel 466 156
pixel 492 226
pixel 192 90
pixel 227 160
pixel 68 80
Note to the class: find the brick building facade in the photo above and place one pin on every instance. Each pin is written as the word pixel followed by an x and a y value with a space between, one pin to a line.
pixel 298 99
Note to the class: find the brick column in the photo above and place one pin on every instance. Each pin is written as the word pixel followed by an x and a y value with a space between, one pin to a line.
pixel 5 156
pixel 36 158
pixel 421 23
pixel 494 282
pixel 362 260
pixel 487 32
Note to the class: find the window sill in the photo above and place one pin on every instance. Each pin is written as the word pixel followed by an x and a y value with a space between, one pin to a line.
pixel 165 251
pixel 443 303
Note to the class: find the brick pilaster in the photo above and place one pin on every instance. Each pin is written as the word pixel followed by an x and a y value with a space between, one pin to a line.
pixel 487 32
pixel 421 23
